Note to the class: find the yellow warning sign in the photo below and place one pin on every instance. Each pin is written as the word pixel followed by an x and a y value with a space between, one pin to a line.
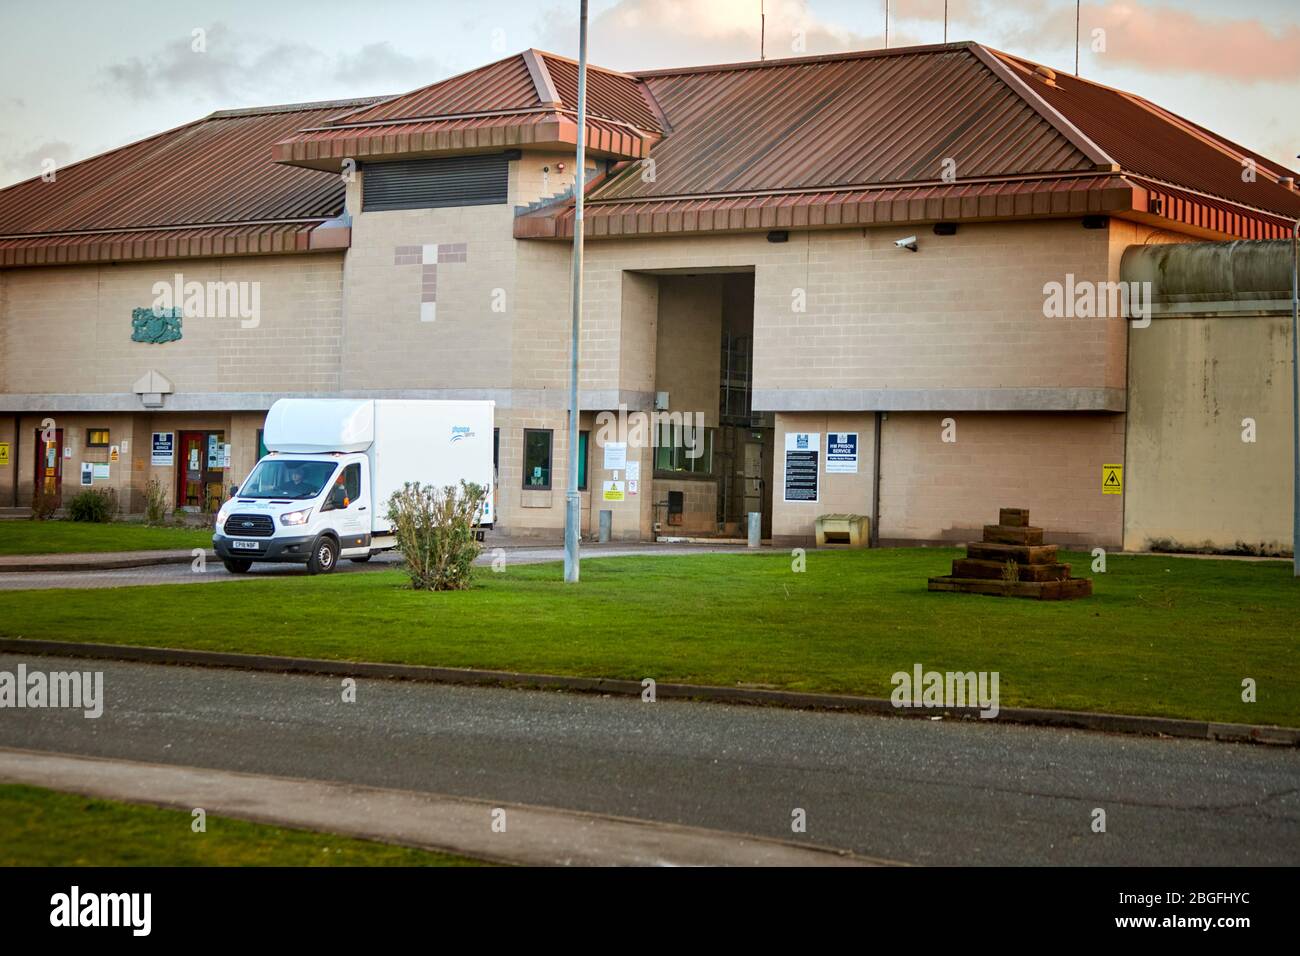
pixel 4 453
pixel 613 491
pixel 1112 479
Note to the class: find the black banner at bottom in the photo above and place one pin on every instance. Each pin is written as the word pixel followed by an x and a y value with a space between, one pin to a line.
pixel 879 904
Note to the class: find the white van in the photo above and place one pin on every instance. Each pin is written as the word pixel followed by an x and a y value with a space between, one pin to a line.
pixel 322 491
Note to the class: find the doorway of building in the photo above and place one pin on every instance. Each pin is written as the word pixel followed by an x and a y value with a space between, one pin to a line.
pixel 48 480
pixel 201 471
pixel 745 436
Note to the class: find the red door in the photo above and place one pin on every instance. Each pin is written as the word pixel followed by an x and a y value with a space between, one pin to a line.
pixel 200 472
pixel 49 465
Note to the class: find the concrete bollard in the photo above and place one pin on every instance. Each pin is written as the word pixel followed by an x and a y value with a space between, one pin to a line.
pixel 755 528
pixel 606 526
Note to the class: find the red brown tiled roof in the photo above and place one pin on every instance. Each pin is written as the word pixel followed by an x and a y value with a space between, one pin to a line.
pixel 529 80
pixel 212 181
pixel 526 100
pixel 762 135
pixel 845 139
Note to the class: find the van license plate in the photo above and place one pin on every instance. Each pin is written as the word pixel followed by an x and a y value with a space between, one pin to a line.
pixel 246 545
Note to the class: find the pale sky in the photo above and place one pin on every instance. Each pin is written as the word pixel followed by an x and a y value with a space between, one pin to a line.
pixel 78 77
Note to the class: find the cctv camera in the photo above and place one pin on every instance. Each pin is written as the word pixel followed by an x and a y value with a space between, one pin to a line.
pixel 909 243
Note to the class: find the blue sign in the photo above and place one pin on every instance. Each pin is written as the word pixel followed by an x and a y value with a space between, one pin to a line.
pixel 842 453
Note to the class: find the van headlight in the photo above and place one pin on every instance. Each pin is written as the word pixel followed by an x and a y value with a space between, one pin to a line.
pixel 295 517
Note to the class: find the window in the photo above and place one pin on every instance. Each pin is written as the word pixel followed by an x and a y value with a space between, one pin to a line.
pixel 97 438
pixel 582 460
pixel 537 459
pixel 677 457
pixel 436 183
pixel 285 478
pixel 352 481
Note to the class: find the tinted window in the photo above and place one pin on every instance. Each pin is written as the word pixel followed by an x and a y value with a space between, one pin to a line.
pixel 537 458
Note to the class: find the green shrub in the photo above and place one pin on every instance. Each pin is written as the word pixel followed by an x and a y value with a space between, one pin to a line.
pixel 94 504
pixel 155 502
pixel 434 528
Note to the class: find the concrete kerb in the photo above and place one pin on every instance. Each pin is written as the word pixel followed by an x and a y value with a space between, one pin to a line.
pixel 537 835
pixel 1069 719
pixel 113 561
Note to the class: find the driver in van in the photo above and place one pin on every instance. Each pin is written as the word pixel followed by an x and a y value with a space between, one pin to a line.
pixel 296 485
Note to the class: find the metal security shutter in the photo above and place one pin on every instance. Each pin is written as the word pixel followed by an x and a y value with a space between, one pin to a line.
pixel 432 183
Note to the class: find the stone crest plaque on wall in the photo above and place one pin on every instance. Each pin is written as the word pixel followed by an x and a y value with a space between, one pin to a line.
pixel 155 326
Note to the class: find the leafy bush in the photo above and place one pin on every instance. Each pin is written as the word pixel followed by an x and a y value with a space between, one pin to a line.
pixel 43 505
pixel 155 502
pixel 94 504
pixel 434 528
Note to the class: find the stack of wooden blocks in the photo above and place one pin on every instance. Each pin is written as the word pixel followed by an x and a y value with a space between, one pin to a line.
pixel 1012 561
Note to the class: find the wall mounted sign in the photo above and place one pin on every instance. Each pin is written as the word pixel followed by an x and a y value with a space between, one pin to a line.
pixel 87 472
pixel 841 453
pixel 163 451
pixel 101 471
pixel 1112 479
pixel 613 491
pixel 4 453
pixel 802 450
pixel 615 455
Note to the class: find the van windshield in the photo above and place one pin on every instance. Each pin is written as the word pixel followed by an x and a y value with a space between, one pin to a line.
pixel 286 478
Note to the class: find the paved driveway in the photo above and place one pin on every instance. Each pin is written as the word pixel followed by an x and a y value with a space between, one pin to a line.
pixel 909 790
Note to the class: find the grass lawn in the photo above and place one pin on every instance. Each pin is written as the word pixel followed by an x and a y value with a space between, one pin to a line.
pixel 69 537
pixel 47 828
pixel 1161 636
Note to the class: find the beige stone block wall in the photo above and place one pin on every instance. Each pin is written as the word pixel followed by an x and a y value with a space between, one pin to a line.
pixel 468 343
pixel 633 516
pixel 637 342
pixel 9 472
pixel 687 359
pixel 964 311
pixel 932 490
pixel 793 522
pixel 132 433
pixel 699 505
pixel 126 475
pixel 1191 480
pixel 67 329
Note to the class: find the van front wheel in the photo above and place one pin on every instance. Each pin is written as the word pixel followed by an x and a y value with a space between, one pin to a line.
pixel 324 555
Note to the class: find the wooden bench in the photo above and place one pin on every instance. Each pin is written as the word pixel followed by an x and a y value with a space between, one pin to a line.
pixel 853 531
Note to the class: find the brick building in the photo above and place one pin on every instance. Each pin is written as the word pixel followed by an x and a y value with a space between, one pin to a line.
pixel 744 269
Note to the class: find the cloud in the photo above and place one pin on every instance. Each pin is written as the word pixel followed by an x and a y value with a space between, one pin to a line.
pixel 229 68
pixel 1166 40
pixel 645 34
pixel 26 164
pixel 382 60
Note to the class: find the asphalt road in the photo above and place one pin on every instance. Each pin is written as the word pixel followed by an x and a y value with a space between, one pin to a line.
pixel 213 572
pixel 920 791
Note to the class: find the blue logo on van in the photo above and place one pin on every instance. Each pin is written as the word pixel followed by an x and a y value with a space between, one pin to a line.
pixel 459 432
